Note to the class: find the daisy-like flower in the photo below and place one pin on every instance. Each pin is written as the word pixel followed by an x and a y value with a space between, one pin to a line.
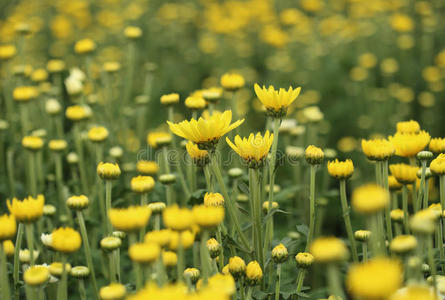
pixel 276 101
pixel 28 210
pixel 205 132
pixel 409 144
pixel 253 149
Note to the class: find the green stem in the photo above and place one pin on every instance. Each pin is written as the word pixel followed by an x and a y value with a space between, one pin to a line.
pixel 88 256
pixel 208 178
pixel 256 212
pixel 421 194
pixel 388 207
pixel 79 149
pixel 365 251
pixel 136 267
pixel 113 269
pixel 4 273
pixel 10 169
pixel 347 220
pixel 17 247
pixel 32 174
pixel 300 279
pixel 144 202
pixel 180 265
pixel 241 288
pixel 29 229
pixel 82 293
pixel 249 293
pixel 426 194
pixel 405 208
pixel 278 283
pixel 311 206
pixel 108 186
pixel 205 257
pixel 62 288
pixel 334 281
pixel 431 261
pixel 375 239
pixel 221 255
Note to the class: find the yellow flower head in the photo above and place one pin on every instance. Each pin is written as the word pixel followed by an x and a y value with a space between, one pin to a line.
pixel 409 144
pixel 129 219
pixel 424 222
pixel 32 143
pixel 158 139
pixel 393 184
pixel 36 275
pixel 374 280
pixel 169 258
pixel 113 291
pixel 415 292
pixel 402 23
pixel 78 202
pixel 279 253
pixel 177 218
pixel 276 102
pixel 192 274
pixel 254 273
pixel 170 99
pixel 56 268
pixel 161 237
pixel 328 250
pixel 199 157
pixel 186 238
pixel 214 248
pixel 253 149
pixel 212 94
pixel 397 215
pixel 403 243
pixel 132 32
pixel 222 282
pixel 28 210
pixel 157 207
pixel 408 127
pixel 8 227
pixel 111 66
pixel 341 169
pixel 304 260
pixel 24 93
pixel 208 216
pixel 313 155
pixel 39 75
pixel 378 149
pixel 437 165
pixel 404 173
pixel 147 167
pixel 65 239
pixel 232 81
pixel 195 102
pixel 237 266
pixel 77 112
pixel 7 52
pixel 213 199
pixel 144 253
pixel 57 145
pixel 84 46
pixel 205 132
pixel 142 184
pixel 108 171
pixel 8 247
pixel 369 199
pixel 98 134
pixel 437 145
pixel 55 65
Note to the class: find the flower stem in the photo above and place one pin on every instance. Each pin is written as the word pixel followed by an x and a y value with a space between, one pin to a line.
pixel 388 207
pixel 431 261
pixel 82 293
pixel 108 186
pixel 4 274
pixel 300 279
pixel 405 208
pixel 86 246
pixel 136 267
pixel 421 194
pixel 241 288
pixel 144 202
pixel 17 247
pixel 208 178
pixel 311 206
pixel 32 174
pixel 29 229
pixel 365 251
pixel 347 220
pixel 278 283
pixel 249 293
pixel 180 265
pixel 204 253
pixel 79 149
pixel 61 291
pixel 334 280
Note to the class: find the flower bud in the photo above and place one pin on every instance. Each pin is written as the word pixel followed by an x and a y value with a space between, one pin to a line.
pixel 362 235
pixel 110 243
pixel 77 202
pixel 313 155
pixel 157 207
pixel 80 272
pixel 403 244
pixel 424 155
pixel 237 266
pixel 254 274
pixel 279 254
pixel 192 274
pixel 56 269
pixel 304 260
pixel 214 248
pixel 108 171
pixel 167 179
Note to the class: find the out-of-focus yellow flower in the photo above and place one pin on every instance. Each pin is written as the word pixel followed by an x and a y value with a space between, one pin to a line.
pixel 405 41
pixel 253 149
pixel 158 139
pixel 237 266
pixel 78 202
pixel 65 239
pixel 28 210
pixel 55 66
pixel 24 93
pixel 432 74
pixel 161 237
pixel 195 102
pixel 39 75
pixel 374 280
pixel 108 171
pixel 312 5
pixel 8 247
pixel 408 127
pixel 32 143
pixel 397 215
pixel 415 292
pixel 111 66
pixel 254 273
pixel 369 199
pixel 313 155
pixel 113 291
pixel 404 173
pixel 437 145
pixel 208 216
pixel 393 184
pixel 169 258
pixel 409 144
pixel 8 227
pixel 224 283
pixel 378 149
pixel 36 275
pixel 424 222
pixel 328 250
pixel 129 219
pixel 212 94
pixel 132 32
pixel 170 99
pixel 57 145
pixel 187 238
pixel 274 36
pixel 147 167
pixel 98 134
pixel 199 157
pixel 402 244
pixel 358 74
pixel 56 269
pixel 144 253
pixel 340 169
pixel 347 144
pixel 402 23
pixel 367 60
pixel 232 81
pixel 77 113
pixel 7 52
pixel 205 132
pixel 84 46
pixel 389 66
pixel 213 199
pixel 177 218
pixel 192 274
pixel 142 184
pixel 276 101
pixel 437 165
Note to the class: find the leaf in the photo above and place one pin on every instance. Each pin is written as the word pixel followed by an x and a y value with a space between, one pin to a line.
pixel 244 188
pixel 272 212
pixel 197 197
pixel 303 229
pixel 260 295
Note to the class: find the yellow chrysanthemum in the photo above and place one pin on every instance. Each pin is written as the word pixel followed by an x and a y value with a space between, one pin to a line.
pixel 170 99
pixel 415 292
pixel 142 184
pixel 98 134
pixel 369 199
pixel 77 112
pixel 84 46
pixel 205 132
pixel 437 145
pixel 24 93
pixel 313 155
pixel 8 227
pixel 232 81
pixel 408 127
pixel 158 139
pixel 254 273
pixel 403 243
pixel 129 219
pixel 147 167
pixel 378 149
pixel 276 102
pixel 328 249
pixel 36 275
pixel 144 252
pixel 374 280
pixel 57 145
pixel 7 51
pixel 253 149
pixel 341 169
pixel 404 173
pixel 161 237
pixel 199 157
pixel 177 218
pixel 27 210
pixel 113 291
pixel 132 32
pixel 208 216
pixel 409 144
pixel 437 165
pixel 393 184
pixel 187 238
pixel 65 239
pixel 195 102
pixel 32 143
pixel 108 171
pixel 55 65
pixel 213 199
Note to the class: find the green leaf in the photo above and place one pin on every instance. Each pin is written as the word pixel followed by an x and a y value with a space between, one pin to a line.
pixel 303 229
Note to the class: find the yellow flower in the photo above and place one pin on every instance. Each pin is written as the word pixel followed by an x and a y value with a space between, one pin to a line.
pixel 208 216
pixel 161 237
pixel 192 274
pixel 341 169
pixel 111 66
pixel 404 173
pixel 28 210
pixel 113 291
pixel 108 171
pixel 56 269
pixel 362 235
pixel 378 149
pixel 403 243
pixel 328 250
pixel 195 102
pixel 144 252
pixel 237 266
pixel 212 94
pixel 232 81
pixel 213 199
pixel 397 215
pixel 374 280
pixel 254 273
pixel 393 184
pixel 84 46
pixel 7 51
pixel 142 184
pixel 313 155
pixel 8 247
pixel 402 23
pixel 169 258
pixel 98 134
pixel 32 143
pixel 279 253
pixel 132 32
pixel 304 260
pixel 415 292
pixel 423 222
pixel 65 239
pixel 78 202
pixel 369 199
pixel 129 219
pixel 177 218
pixel 437 145
pixel 205 132
pixel 57 145
pixel 147 167
pixel 276 102
pixel 408 127
pixel 157 207
pixel 8 227
pixel 36 275
pixel 187 238
pixel 55 65
pixel 224 283
pixel 199 157
pixel 170 99
pixel 158 139
pixel 253 149
pixel 367 60
pixel 77 112
pixel 437 165
pixel 39 75
pixel 24 93
pixel 409 144
pixel 214 248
